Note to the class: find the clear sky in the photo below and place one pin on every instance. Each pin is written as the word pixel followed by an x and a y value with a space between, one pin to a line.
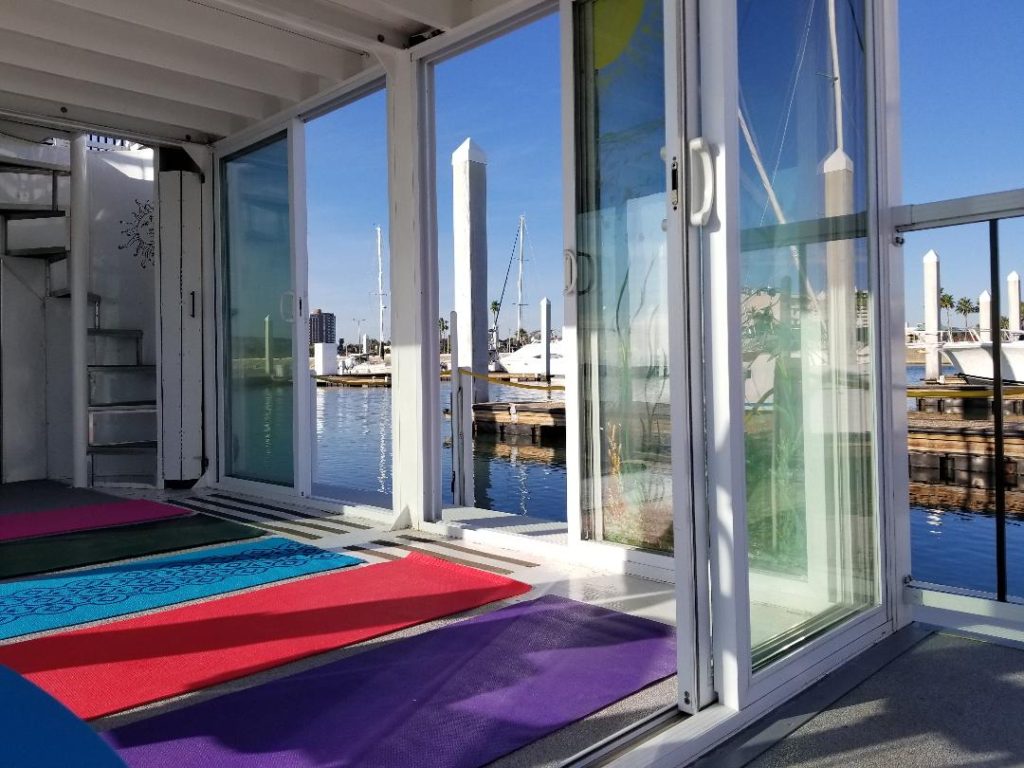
pixel 962 66
pixel 962 71
pixel 506 96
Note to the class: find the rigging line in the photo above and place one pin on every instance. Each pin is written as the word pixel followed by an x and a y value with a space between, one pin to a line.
pixel 776 207
pixel 792 99
pixel 508 271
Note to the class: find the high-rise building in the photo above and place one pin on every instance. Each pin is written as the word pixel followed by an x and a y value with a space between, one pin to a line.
pixel 321 327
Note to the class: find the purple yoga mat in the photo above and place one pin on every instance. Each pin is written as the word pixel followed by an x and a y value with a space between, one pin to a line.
pixel 462 695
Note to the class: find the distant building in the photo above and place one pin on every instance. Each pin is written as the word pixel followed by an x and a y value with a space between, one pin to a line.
pixel 321 327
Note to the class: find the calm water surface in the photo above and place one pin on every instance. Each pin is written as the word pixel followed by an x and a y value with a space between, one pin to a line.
pixel 353 460
pixel 353 455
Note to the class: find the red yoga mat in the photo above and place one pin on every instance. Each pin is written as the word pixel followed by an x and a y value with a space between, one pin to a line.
pixel 27 525
pixel 112 667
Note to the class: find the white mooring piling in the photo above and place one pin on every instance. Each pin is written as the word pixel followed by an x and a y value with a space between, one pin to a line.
pixel 985 316
pixel 1013 297
pixel 932 295
pixel 469 236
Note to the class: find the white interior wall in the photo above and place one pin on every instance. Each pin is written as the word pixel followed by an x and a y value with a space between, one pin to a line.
pixel 22 307
pixel 119 182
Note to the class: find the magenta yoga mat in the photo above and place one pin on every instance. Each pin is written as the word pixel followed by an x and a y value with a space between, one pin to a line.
pixel 456 697
pixel 48 522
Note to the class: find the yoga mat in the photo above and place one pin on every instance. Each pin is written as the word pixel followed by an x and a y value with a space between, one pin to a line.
pixel 26 525
pixel 53 602
pixel 99 670
pixel 37 732
pixel 105 545
pixel 456 697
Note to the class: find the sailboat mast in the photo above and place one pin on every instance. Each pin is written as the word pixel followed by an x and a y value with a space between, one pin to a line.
pixel 837 83
pixel 380 292
pixel 519 302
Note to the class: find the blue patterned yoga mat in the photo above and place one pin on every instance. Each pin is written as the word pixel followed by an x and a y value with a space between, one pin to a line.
pixel 53 602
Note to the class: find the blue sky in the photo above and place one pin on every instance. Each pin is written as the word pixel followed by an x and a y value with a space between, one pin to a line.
pixel 962 67
pixel 963 124
pixel 506 96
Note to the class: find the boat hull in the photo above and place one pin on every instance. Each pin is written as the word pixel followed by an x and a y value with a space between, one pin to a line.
pixel 974 361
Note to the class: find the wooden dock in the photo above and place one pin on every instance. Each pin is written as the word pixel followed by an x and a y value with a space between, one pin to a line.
pixel 540 421
pixel 381 380
pixel 951 446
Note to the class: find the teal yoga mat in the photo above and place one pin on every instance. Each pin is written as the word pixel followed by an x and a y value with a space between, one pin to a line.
pixel 53 602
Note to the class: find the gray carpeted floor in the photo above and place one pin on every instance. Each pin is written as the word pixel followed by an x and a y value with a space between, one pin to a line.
pixel 36 495
pixel 949 701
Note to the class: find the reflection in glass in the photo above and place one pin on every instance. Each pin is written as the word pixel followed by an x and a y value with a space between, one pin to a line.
pixel 622 299
pixel 806 319
pixel 259 315
pixel 348 268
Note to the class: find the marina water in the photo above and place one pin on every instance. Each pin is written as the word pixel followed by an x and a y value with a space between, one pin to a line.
pixel 352 458
pixel 353 461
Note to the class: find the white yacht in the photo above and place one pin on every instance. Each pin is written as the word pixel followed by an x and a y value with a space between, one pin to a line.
pixel 527 359
pixel 973 359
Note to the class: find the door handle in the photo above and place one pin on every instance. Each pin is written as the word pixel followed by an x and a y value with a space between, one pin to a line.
pixel 570 271
pixel 704 189
pixel 287 298
pixel 193 294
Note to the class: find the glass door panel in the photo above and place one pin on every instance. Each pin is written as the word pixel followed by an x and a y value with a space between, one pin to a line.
pixel 622 299
pixel 348 273
pixel 806 315
pixel 259 315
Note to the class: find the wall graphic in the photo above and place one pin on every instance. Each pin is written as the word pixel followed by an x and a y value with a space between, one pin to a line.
pixel 138 235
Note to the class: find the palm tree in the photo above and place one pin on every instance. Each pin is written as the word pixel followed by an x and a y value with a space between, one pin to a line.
pixel 965 308
pixel 442 328
pixel 495 309
pixel 946 302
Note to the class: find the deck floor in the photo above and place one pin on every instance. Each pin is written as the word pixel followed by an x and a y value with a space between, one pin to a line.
pixel 948 700
pixel 368 539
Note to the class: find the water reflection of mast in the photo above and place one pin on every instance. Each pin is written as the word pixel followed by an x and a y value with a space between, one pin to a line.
pixel 382 465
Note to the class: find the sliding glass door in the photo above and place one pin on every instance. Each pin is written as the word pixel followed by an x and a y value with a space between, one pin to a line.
pixel 807 335
pixel 621 286
pixel 259 314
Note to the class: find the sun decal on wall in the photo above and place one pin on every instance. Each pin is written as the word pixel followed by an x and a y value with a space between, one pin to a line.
pixel 138 235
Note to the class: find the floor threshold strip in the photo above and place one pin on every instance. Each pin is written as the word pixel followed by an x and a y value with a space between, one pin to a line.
pixel 298 513
pixel 441 556
pixel 467 550
pixel 245 520
pixel 336 528
pixel 372 551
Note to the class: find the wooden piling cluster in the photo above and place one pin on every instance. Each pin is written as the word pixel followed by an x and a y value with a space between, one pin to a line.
pixel 951 446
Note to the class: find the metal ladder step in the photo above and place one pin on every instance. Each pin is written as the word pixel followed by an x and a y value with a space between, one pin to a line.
pixel 65 293
pixel 14 212
pixel 123 449
pixel 122 333
pixel 50 253
pixel 126 368
pixel 136 406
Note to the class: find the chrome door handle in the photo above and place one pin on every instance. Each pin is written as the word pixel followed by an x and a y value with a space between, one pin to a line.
pixel 705 189
pixel 570 271
pixel 282 303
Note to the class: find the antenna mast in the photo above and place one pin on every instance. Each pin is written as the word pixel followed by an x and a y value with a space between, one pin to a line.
pixel 380 292
pixel 519 303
